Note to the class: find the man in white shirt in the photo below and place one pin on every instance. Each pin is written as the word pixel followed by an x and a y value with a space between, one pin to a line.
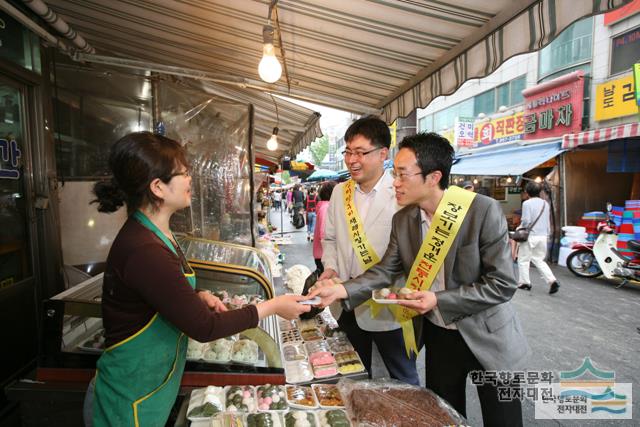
pixel 535 216
pixel 367 146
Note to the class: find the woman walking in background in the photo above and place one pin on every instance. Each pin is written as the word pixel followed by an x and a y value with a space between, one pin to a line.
pixel 324 195
pixel 312 202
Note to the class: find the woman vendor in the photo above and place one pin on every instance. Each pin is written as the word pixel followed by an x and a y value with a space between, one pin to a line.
pixel 149 302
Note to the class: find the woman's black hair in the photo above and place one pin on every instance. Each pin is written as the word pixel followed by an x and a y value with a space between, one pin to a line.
pixel 326 190
pixel 135 161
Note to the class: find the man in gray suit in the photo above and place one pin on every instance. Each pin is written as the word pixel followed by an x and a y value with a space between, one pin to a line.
pixel 468 322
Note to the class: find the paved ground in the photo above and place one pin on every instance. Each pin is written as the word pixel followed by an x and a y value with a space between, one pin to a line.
pixel 586 318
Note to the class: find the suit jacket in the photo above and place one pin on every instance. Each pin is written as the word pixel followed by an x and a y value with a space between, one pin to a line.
pixel 337 249
pixel 479 282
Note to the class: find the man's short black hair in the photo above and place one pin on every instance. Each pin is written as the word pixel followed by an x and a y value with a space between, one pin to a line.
pixel 533 189
pixel 372 128
pixel 433 153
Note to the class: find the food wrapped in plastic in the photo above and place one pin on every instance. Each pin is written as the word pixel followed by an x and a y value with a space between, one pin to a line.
pixel 301 397
pixel 271 398
pixel 339 345
pixel 328 396
pixel 205 403
pixel 293 352
pixel 245 351
pixel 219 351
pixel 300 419
pixel 334 418
pixel 240 398
pixel 308 324
pixel 264 419
pixel 287 325
pixel 390 403
pixel 195 349
pixel 298 372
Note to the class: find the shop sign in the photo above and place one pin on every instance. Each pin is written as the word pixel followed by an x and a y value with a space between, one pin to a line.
pixel 499 130
pixel 554 108
pixel 9 156
pixel 448 135
pixel 616 98
pixel 636 78
pixel 463 132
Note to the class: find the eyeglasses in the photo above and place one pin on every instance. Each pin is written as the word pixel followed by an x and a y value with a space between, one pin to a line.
pixel 186 173
pixel 403 176
pixel 359 154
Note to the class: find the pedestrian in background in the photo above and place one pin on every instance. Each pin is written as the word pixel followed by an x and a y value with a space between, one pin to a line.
pixel 311 204
pixel 536 217
pixel 324 195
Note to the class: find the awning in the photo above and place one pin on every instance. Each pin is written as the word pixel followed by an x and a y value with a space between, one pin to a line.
pixel 513 160
pixel 574 140
pixel 356 55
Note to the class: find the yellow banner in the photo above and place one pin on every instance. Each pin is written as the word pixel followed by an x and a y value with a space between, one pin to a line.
pixel 445 224
pixel 365 253
pixel 616 98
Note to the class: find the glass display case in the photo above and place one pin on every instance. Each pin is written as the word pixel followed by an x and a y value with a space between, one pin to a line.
pixel 239 275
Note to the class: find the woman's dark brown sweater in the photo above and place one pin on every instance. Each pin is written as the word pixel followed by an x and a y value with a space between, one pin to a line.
pixel 143 277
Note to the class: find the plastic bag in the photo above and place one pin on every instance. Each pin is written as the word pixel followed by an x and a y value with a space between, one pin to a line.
pixel 391 403
pixel 309 282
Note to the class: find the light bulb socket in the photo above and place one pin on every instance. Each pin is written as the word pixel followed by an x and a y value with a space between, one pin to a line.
pixel 267 34
pixel 275 131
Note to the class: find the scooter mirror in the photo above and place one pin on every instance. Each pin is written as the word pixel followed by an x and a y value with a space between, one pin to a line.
pixel 609 207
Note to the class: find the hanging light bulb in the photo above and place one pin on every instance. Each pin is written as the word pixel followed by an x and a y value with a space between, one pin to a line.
pixel 538 179
pixel 475 181
pixel 509 180
pixel 272 143
pixel 269 68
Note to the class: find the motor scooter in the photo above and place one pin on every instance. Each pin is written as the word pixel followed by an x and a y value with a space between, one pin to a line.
pixel 602 257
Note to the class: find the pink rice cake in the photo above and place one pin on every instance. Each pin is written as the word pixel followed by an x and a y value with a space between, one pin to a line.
pixel 321 358
pixel 325 370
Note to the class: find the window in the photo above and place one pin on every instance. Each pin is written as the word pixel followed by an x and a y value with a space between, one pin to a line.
pixel 502 93
pixel 426 124
pixel 19 45
pixel 516 88
pixel 445 119
pixel 484 103
pixel 571 47
pixel 625 51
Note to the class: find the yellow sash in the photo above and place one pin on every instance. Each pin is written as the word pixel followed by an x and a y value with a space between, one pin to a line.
pixel 364 251
pixel 445 225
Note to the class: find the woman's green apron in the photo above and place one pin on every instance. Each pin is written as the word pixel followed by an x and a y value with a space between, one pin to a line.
pixel 137 379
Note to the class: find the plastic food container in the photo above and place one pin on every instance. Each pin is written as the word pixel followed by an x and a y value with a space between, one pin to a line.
pixel 298 372
pixel 205 403
pixel 316 346
pixel 301 397
pixel 262 419
pixel 245 351
pixel 300 419
pixel 271 398
pixel 293 352
pixel 328 396
pixel 312 335
pixel 339 345
pixel 240 398
pixel 290 336
pixel 333 418
pixel 218 351
pixel 349 363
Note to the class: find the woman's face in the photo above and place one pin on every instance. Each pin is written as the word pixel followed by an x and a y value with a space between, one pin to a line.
pixel 176 193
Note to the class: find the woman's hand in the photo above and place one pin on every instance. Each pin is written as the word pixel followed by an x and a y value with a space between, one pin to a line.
pixel 212 301
pixel 285 306
pixel 420 301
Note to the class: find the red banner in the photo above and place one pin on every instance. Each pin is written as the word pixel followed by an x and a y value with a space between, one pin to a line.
pixel 554 108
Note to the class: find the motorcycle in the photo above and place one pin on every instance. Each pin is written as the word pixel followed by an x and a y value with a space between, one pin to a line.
pixel 601 257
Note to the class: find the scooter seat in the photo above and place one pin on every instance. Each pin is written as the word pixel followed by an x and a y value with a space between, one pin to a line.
pixel 634 245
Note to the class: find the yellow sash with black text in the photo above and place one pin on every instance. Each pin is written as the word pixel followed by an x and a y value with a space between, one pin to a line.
pixel 445 225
